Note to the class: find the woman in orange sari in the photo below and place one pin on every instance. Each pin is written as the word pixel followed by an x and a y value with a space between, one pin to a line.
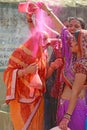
pixel 25 77
pixel 26 101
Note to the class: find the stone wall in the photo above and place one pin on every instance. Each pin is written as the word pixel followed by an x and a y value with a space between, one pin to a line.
pixel 72 11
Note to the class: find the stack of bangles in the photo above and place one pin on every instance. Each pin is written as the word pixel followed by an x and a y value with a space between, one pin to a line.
pixel 67 116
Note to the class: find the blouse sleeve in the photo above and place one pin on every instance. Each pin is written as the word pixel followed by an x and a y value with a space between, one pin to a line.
pixel 81 66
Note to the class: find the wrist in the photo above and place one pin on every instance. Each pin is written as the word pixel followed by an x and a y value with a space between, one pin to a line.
pixel 21 72
pixel 49 11
pixel 51 69
pixel 67 116
pixel 52 66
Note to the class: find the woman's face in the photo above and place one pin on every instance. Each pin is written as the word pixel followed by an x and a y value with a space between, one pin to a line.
pixel 74 26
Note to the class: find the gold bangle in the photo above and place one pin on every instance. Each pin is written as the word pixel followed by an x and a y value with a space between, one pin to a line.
pixel 67 116
pixel 49 12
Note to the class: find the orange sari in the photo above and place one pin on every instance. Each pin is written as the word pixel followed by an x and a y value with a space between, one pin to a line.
pixel 26 103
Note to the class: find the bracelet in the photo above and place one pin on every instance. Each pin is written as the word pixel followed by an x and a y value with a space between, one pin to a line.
pixel 67 116
pixel 49 12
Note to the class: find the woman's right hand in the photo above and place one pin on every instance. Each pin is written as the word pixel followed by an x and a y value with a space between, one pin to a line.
pixel 32 68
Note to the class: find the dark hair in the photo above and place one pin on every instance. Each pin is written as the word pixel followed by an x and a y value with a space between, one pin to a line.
pixel 76 35
pixel 66 19
pixel 82 22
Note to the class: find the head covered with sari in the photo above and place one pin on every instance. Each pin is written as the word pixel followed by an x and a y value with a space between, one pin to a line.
pixel 77 64
pixel 27 7
pixel 81 62
pixel 81 38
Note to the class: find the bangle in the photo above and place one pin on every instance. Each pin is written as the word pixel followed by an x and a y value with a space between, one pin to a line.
pixel 49 12
pixel 67 116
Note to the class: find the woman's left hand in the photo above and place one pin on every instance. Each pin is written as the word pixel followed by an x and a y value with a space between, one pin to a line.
pixel 44 7
pixel 57 63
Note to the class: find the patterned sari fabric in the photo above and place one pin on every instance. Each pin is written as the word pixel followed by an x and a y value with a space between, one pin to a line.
pixel 77 121
pixel 19 94
pixel 76 65
pixel 81 63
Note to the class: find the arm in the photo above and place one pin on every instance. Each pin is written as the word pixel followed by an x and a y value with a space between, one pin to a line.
pixel 78 85
pixel 53 66
pixel 51 31
pixel 76 89
pixel 59 25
